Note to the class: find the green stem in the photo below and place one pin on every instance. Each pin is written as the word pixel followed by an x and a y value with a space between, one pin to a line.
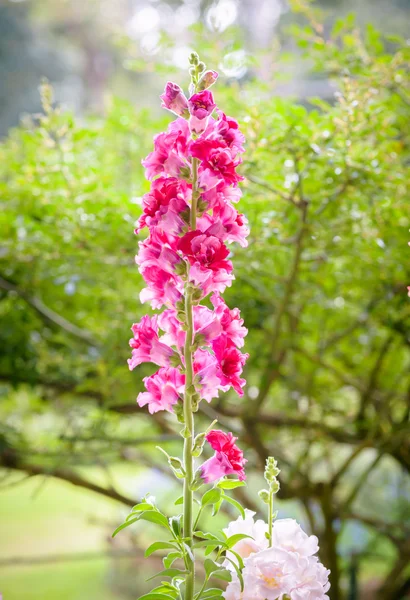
pixel 189 436
pixel 195 164
pixel 188 414
pixel 270 516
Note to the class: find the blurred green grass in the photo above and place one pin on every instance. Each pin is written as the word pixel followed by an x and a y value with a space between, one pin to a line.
pixel 42 518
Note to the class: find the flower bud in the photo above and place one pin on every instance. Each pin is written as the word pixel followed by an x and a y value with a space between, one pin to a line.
pixel 207 79
pixel 198 444
pixel 264 496
pixel 193 58
pixel 175 100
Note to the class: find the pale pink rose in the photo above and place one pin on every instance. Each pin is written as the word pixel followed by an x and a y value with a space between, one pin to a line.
pixel 208 280
pixel 289 535
pixel 270 572
pixel 164 388
pixel 174 100
pixel 146 346
pixel 227 460
pixel 247 526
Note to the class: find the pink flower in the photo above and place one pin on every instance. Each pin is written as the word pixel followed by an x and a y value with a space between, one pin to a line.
pixel 201 106
pixel 162 287
pixel 230 321
pixel 206 375
pixel 174 100
pixel 158 260
pixel 170 155
pixel 146 346
pixel 164 388
pixel 217 163
pixel 227 460
pixel 227 129
pixel 206 326
pixel 226 224
pixel 165 205
pixel 230 362
pixel 207 80
pixel 206 250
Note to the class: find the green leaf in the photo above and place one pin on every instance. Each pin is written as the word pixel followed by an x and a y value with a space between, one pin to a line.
pixel 211 566
pixel 169 573
pixel 235 503
pixel 217 507
pixel 206 543
pixel 223 574
pixel 205 536
pixel 155 517
pixel 141 507
pixel 211 496
pixel 158 546
pixel 154 596
pixel 180 500
pixel 210 593
pixel 230 484
pixel 234 539
pixel 126 524
pixel 171 558
pixel 237 569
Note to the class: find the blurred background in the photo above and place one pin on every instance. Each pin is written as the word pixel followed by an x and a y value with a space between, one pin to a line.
pixel 322 93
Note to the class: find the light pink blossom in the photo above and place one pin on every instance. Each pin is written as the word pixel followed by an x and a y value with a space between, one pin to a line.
pixel 164 388
pixel 207 80
pixel 170 154
pixel 174 100
pixel 146 346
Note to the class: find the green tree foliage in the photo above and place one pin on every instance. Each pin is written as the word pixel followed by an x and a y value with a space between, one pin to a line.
pixel 322 288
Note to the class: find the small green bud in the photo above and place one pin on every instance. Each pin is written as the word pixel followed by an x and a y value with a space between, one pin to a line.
pixel 175 360
pixel 179 411
pixel 181 316
pixel 198 444
pixel 275 487
pixel 264 496
pixel 180 268
pixel 176 463
pixel 198 481
pixel 195 400
pixel 271 470
pixel 201 67
pixel 194 58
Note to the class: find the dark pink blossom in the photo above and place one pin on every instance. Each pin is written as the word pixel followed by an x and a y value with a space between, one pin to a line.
pixel 206 250
pixel 146 346
pixel 174 100
pixel 226 129
pixel 165 205
pixel 230 321
pixel 201 106
pixel 230 362
pixel 164 388
pixel 227 460
pixel 217 163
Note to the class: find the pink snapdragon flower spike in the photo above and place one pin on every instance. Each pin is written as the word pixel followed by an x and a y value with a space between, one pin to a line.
pixel 227 460
pixel 201 106
pixel 174 100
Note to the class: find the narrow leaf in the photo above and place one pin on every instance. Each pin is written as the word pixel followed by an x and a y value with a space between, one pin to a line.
pixel 169 573
pixel 211 496
pixel 236 504
pixel 158 546
pixel 230 484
